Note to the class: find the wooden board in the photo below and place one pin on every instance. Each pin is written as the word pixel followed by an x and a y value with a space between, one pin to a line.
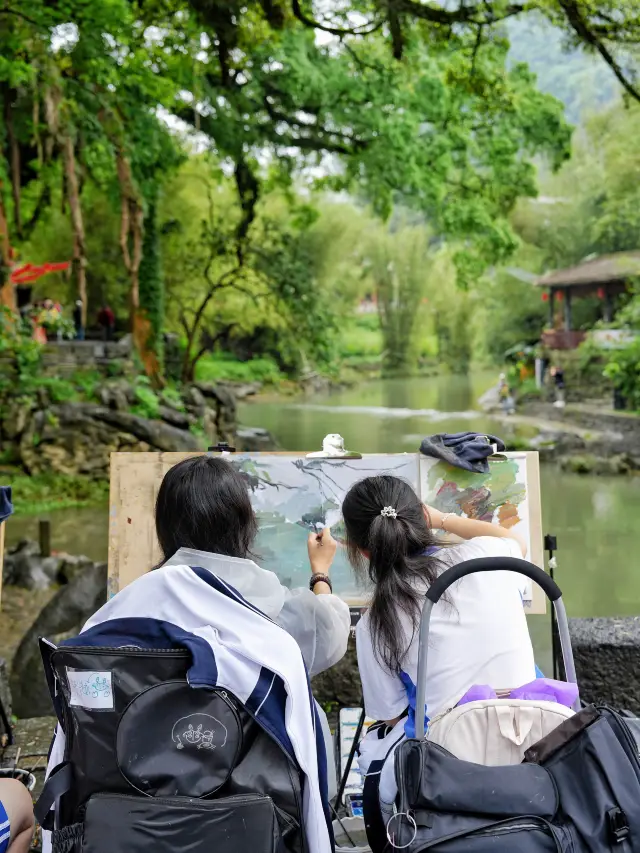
pixel 134 484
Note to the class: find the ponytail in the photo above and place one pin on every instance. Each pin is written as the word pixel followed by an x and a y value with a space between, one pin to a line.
pixel 391 549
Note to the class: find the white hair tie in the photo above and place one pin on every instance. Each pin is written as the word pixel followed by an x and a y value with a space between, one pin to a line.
pixel 388 512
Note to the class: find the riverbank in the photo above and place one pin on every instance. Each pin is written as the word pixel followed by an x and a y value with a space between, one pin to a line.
pixel 583 438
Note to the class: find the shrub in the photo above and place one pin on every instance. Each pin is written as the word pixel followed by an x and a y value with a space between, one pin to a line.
pixel 147 403
pixel 221 366
pixel 623 369
pixel 44 492
pixel 87 382
pixel 18 348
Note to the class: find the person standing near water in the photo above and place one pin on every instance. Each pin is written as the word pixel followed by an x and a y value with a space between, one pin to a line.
pixel 107 321
pixel 77 320
pixel 557 374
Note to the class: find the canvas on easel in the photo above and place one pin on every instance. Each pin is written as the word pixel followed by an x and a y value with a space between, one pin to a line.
pixel 508 495
pixel 293 495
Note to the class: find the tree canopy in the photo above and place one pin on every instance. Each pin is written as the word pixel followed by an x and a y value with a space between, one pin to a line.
pixel 401 101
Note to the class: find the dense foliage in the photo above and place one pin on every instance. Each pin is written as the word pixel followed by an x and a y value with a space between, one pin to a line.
pixel 108 107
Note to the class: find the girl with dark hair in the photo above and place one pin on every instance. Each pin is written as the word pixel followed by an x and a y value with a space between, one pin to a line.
pixel 204 518
pixel 479 635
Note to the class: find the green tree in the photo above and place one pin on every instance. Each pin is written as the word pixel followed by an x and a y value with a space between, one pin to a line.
pixel 592 206
pixel 399 262
pixel 400 101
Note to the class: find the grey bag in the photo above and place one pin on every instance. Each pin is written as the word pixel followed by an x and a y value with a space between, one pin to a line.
pixel 577 790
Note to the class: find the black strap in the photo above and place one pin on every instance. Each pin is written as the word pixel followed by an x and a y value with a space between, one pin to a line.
pixel 59 782
pixel 67 839
pixel 373 823
pixel 46 650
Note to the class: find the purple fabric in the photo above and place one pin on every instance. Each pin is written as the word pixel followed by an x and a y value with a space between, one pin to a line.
pixel 540 690
pixel 548 690
pixel 477 693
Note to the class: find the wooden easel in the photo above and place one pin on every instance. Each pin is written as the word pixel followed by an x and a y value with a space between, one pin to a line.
pixel 135 482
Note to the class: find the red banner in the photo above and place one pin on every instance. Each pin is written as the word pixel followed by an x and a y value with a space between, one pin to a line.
pixel 32 272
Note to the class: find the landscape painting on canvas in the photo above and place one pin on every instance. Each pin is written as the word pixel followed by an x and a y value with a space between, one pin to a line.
pixel 293 496
pixel 508 495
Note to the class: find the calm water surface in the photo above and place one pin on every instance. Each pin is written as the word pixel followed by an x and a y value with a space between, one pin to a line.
pixel 594 518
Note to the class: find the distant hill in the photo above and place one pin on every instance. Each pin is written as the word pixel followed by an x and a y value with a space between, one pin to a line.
pixel 580 80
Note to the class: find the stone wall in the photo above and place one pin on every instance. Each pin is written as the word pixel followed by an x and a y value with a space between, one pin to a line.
pixel 78 437
pixel 64 358
pixel 607 657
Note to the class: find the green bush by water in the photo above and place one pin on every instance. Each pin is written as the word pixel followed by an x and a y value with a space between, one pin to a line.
pixel 46 492
pixel 221 366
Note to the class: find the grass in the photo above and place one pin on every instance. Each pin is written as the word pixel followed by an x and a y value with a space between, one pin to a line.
pixel 361 338
pixel 45 492
pixel 214 367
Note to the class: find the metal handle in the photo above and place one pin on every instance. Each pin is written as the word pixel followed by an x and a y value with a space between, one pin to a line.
pixel 493 564
pixel 488 564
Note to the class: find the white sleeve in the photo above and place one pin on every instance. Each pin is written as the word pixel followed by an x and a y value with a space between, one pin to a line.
pixel 384 695
pixel 320 624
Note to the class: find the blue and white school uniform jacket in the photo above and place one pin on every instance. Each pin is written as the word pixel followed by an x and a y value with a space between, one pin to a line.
pixel 234 646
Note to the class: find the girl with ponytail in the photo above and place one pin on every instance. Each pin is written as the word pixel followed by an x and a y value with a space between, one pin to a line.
pixel 479 634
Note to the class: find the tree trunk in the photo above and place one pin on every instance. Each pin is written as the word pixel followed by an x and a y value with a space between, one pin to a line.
pixel 14 159
pixel 7 290
pixel 79 248
pixel 131 245
pixel 151 294
pixel 131 230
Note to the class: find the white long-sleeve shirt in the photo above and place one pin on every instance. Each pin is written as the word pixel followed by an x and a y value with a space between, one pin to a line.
pixel 320 624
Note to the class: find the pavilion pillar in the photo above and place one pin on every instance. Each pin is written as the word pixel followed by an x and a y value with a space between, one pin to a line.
pixel 608 305
pixel 552 298
pixel 567 309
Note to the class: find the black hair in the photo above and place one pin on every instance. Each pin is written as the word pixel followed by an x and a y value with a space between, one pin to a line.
pixel 203 503
pixel 398 557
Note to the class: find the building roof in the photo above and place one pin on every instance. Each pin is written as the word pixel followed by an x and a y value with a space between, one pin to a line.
pixel 600 270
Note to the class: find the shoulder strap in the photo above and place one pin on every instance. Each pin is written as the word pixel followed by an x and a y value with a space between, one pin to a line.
pixel 59 782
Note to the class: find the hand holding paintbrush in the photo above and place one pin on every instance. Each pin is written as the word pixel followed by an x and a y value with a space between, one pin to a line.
pixel 322 549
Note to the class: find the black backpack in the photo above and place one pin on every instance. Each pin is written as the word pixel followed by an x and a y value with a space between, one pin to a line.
pixel 577 790
pixel 153 765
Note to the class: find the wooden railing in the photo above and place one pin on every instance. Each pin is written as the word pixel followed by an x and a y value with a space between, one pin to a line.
pixel 561 339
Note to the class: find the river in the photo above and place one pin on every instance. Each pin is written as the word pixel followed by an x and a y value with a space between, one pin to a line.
pixel 592 517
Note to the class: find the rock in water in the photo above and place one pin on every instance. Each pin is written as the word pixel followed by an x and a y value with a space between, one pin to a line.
pixel 24 567
pixel 255 440
pixel 490 400
pixel 62 617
